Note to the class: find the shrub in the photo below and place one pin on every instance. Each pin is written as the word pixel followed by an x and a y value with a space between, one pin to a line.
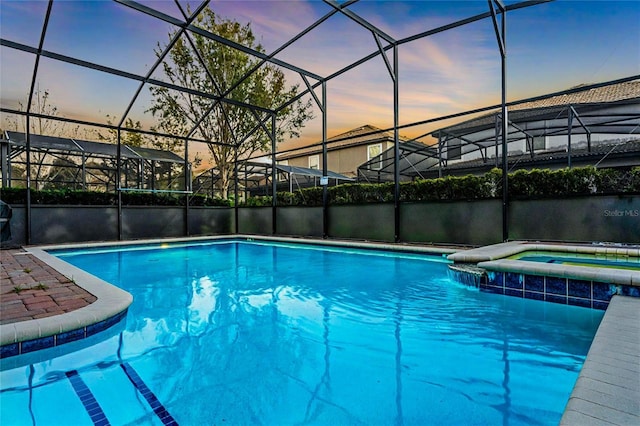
pixel 634 180
pixel 72 197
pixel 537 183
pixel 259 201
pixel 353 193
pixel 14 195
pixel 200 200
pixel 94 198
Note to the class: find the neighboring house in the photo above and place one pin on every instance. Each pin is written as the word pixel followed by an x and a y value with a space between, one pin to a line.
pixel 345 152
pixel 597 126
pixel 577 120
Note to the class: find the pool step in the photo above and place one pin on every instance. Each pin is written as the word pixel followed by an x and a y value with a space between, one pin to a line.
pixel 111 395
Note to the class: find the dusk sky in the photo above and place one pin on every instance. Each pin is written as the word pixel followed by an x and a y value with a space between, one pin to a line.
pixel 550 47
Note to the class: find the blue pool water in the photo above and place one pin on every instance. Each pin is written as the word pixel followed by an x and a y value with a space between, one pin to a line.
pixel 274 334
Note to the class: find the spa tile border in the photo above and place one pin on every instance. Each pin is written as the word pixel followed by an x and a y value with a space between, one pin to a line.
pixel 563 290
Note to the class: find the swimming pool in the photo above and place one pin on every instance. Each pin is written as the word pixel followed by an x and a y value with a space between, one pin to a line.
pixel 241 332
pixel 580 259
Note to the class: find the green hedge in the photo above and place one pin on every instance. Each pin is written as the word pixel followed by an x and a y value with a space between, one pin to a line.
pixel 93 198
pixel 572 182
pixel 537 183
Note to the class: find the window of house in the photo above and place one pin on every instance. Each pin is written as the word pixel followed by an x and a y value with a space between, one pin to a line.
pixel 372 152
pixel 314 162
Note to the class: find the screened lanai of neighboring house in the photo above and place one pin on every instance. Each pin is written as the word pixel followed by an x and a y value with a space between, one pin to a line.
pixel 80 164
pixel 254 179
pixel 593 126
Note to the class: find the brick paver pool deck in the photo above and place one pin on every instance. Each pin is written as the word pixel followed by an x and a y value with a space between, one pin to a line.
pixel 31 289
pixel 606 392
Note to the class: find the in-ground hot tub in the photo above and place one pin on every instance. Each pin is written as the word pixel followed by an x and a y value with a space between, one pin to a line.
pixel 599 260
pixel 583 275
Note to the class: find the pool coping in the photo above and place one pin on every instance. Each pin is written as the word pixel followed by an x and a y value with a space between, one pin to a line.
pixel 493 258
pixel 607 390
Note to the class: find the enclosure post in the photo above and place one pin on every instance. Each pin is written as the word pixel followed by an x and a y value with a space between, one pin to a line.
pixel 501 36
pixel 274 183
pixel 84 172
pixel 5 163
pixel 396 148
pixel 235 187
pixel 28 177
pixel 569 128
pixel 505 124
pixel 439 154
pixel 28 124
pixel 187 187
pixel 497 139
pixel 118 189
pixel 325 189
pixel 152 165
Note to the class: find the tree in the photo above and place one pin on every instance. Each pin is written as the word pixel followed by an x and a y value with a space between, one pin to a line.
pixel 40 104
pixel 179 112
pixel 126 138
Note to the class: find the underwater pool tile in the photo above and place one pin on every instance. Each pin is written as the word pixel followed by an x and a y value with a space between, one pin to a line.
pixel 576 301
pixel 493 289
pixel 600 305
pixel 534 295
pixel 556 299
pixel 513 292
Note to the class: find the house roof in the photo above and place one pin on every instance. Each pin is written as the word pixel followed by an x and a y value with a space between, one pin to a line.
pixel 609 93
pixel 613 109
pixel 363 135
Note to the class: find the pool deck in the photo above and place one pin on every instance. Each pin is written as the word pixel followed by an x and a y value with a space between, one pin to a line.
pixel 31 289
pixel 607 390
pixel 92 301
